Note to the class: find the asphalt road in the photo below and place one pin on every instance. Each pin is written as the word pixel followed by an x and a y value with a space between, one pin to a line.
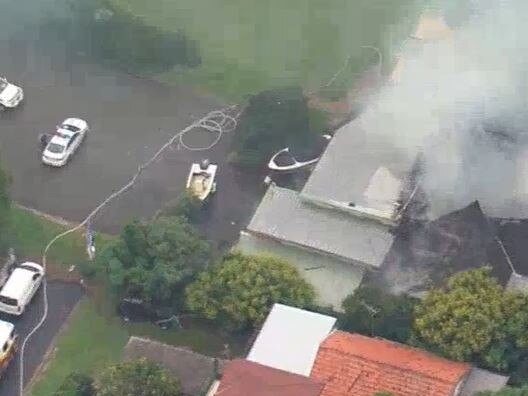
pixel 62 298
pixel 130 118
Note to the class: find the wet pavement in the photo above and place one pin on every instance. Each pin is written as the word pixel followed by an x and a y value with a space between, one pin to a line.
pixel 62 298
pixel 130 118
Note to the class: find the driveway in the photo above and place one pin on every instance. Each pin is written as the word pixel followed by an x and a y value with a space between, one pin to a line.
pixel 62 298
pixel 130 118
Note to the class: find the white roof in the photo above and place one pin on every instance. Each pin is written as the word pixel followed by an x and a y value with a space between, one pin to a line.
pixel 290 338
pixel 18 283
pixel 5 330
pixel 56 139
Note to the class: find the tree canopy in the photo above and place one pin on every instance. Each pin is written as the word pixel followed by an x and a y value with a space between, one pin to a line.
pixel 155 261
pixel 474 318
pixel 274 119
pixel 241 289
pixel 370 310
pixel 138 378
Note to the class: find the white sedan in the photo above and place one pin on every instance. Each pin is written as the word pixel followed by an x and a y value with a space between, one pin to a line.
pixel 10 94
pixel 65 141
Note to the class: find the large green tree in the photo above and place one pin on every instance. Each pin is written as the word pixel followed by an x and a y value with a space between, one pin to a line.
pixel 76 384
pixel 137 378
pixel 240 290
pixel 370 310
pixel 155 261
pixel 273 119
pixel 474 318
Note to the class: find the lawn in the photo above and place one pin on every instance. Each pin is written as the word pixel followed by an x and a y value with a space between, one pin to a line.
pixel 95 336
pixel 250 45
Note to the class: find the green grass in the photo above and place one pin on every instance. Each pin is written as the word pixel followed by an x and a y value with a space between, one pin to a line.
pixel 95 336
pixel 250 45
pixel 89 343
pixel 32 233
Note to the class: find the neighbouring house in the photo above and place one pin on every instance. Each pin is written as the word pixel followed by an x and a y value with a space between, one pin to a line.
pixel 289 338
pixel 357 365
pixel 196 372
pixel 244 378
pixel 298 353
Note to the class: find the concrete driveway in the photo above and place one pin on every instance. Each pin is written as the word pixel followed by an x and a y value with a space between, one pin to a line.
pixel 62 298
pixel 130 119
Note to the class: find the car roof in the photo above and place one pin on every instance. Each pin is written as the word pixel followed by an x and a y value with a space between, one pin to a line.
pixel 5 330
pixel 17 284
pixel 63 141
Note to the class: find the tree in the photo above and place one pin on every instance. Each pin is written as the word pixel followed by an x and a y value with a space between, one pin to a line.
pixel 138 378
pixel 370 310
pixel 273 120
pixel 506 391
pixel 155 261
pixel 76 384
pixel 240 291
pixel 474 318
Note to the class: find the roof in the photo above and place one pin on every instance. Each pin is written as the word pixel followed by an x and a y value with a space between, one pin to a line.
pixel 344 172
pixel 61 139
pixel 482 380
pixel 17 284
pixel 347 237
pixel 332 279
pixel 244 378
pixel 195 371
pixel 294 330
pixel 356 365
pixel 5 330
pixel 432 26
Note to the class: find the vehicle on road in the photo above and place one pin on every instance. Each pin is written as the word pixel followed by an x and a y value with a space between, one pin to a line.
pixel 66 140
pixel 201 180
pixel 20 288
pixel 10 94
pixel 8 342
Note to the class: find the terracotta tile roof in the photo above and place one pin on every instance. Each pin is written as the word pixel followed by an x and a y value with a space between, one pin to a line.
pixel 244 378
pixel 355 365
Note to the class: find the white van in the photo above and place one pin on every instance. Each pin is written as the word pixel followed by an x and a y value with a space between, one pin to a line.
pixel 21 286
pixel 8 344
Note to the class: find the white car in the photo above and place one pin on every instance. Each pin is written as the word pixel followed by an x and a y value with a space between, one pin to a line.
pixel 8 343
pixel 10 94
pixel 65 142
pixel 20 288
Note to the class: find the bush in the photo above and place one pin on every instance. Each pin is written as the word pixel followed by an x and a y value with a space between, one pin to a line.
pixel 77 384
pixel 113 35
pixel 240 291
pixel 186 205
pixel 273 120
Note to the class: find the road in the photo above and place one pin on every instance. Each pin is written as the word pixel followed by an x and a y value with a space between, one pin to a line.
pixel 62 299
pixel 130 118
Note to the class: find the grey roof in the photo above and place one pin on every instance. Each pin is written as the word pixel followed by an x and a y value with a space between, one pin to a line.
pixel 482 380
pixel 333 279
pixel 284 216
pixel 344 172
pixel 290 338
pixel 195 371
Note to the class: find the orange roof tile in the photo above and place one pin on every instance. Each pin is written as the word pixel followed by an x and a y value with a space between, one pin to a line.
pixel 356 365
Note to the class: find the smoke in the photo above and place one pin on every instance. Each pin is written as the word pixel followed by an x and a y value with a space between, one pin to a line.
pixel 461 102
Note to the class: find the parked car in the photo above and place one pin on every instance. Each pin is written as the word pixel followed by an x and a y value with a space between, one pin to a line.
pixel 20 288
pixel 64 142
pixel 8 343
pixel 10 94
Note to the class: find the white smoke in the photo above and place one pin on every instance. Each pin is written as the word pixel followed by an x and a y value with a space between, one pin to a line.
pixel 461 101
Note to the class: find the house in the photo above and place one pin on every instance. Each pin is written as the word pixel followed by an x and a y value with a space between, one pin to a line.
pixel 338 227
pixel 245 378
pixel 196 372
pixel 357 365
pixel 297 331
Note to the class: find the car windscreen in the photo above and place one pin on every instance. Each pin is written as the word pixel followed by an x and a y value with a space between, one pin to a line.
pixel 28 267
pixel 70 128
pixel 8 301
pixel 55 148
